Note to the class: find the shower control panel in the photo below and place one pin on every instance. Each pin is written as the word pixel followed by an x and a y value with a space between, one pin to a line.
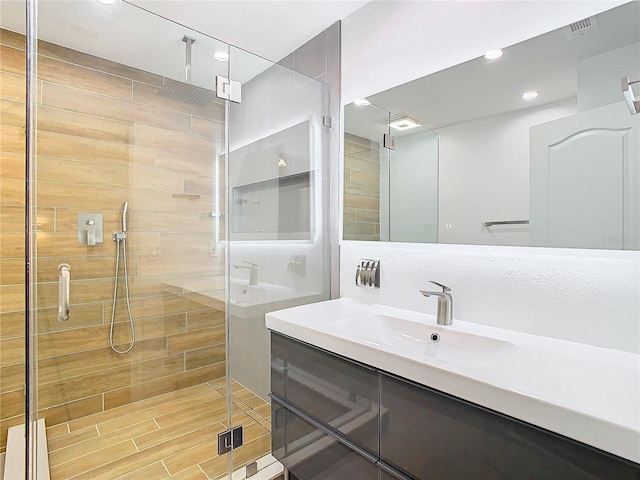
pixel 90 228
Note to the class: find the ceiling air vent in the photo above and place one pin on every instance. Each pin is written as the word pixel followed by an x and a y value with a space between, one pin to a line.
pixel 581 28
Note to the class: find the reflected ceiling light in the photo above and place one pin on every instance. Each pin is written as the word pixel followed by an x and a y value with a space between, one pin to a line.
pixel 493 54
pixel 404 124
pixel 282 162
pixel 221 55
pixel 361 102
pixel 107 2
pixel 530 95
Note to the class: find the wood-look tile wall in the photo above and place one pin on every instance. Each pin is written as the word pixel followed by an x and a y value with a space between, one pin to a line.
pixel 105 137
pixel 361 188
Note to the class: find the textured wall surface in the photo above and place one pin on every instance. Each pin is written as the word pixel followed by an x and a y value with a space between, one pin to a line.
pixel 584 296
pixel 105 137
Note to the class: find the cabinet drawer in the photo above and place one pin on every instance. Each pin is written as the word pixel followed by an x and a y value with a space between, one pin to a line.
pixel 334 391
pixel 428 434
pixel 312 454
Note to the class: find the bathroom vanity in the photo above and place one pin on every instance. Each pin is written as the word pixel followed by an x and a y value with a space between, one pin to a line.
pixel 362 391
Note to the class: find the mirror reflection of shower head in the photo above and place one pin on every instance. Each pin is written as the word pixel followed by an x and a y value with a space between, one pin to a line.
pixel 124 217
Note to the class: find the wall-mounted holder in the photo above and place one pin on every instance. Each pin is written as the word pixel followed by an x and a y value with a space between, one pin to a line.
pixel 632 104
pixel 90 228
pixel 297 265
pixel 368 273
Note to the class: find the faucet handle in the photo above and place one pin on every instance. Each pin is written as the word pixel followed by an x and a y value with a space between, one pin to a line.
pixel 250 263
pixel 444 287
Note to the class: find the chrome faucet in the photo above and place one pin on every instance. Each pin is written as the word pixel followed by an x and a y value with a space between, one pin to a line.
pixel 253 272
pixel 445 303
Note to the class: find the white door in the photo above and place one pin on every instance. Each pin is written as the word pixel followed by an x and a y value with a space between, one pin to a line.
pixel 584 180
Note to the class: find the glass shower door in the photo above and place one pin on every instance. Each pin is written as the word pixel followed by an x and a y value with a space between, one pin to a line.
pixel 130 278
pixel 278 236
pixel 219 210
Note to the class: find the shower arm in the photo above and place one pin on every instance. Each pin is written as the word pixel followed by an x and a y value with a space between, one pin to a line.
pixel 187 69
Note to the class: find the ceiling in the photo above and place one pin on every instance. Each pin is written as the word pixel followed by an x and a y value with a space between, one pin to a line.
pixel 127 33
pixel 269 28
pixel 481 87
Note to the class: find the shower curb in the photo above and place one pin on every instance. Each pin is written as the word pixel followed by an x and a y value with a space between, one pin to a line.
pixel 15 454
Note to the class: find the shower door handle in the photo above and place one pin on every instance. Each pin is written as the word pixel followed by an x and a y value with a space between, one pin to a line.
pixel 64 278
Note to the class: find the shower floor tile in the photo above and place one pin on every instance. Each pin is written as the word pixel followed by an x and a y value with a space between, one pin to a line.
pixel 171 436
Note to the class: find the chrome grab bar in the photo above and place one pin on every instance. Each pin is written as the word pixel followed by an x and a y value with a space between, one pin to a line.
pixel 64 278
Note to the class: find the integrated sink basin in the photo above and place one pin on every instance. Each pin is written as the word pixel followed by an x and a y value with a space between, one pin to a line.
pixel 419 339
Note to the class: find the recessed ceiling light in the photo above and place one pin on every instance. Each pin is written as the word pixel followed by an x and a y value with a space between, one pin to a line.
pixel 530 95
pixel 404 124
pixel 493 54
pixel 221 55
pixel 107 2
pixel 361 102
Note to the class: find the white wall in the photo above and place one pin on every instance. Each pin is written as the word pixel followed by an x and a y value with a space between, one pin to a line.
pixel 589 296
pixel 484 175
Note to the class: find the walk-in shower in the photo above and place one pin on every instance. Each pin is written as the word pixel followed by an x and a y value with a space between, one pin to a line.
pixel 165 345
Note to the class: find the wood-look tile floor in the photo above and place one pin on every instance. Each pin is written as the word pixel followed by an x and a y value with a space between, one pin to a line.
pixel 169 436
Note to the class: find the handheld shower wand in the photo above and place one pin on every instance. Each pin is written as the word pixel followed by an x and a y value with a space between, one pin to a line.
pixel 124 217
pixel 121 239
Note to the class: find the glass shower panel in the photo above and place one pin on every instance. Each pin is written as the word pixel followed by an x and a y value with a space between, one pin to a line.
pixel 366 173
pixel 277 174
pixel 13 100
pixel 130 143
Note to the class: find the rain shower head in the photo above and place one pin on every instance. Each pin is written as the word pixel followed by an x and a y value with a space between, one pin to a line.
pixel 184 91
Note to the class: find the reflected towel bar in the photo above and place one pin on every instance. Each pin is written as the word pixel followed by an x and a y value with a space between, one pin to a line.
pixel 506 222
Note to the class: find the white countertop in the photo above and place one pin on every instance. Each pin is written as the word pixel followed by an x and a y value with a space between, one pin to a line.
pixel 587 393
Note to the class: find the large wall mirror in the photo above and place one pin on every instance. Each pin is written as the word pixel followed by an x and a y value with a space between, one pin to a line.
pixel 534 145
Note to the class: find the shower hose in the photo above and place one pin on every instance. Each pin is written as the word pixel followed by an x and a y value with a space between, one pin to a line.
pixel 115 294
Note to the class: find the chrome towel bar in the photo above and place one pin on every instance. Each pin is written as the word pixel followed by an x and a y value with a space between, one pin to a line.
pixel 506 222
